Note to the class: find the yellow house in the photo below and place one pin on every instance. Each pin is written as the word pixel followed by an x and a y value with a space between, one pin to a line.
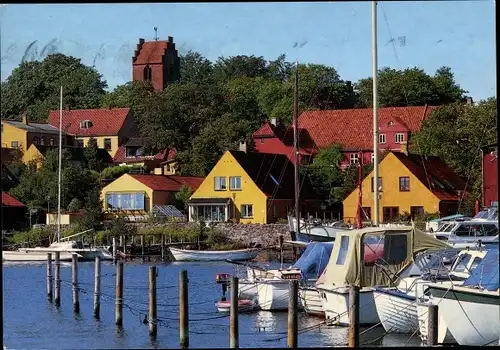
pixel 109 127
pixel 249 188
pixel 137 194
pixel 37 153
pixel 408 183
pixel 22 134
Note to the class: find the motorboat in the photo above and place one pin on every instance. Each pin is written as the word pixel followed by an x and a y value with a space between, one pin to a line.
pixel 315 231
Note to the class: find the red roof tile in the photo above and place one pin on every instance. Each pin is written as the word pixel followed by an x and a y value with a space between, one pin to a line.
pixel 152 52
pixel 171 154
pixel 105 121
pixel 168 183
pixel 266 130
pixel 353 128
pixel 9 201
pixel 435 174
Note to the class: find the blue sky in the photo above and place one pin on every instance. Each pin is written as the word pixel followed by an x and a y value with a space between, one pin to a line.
pixel 459 34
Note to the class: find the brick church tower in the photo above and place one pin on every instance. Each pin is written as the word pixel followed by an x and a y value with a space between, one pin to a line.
pixel 157 62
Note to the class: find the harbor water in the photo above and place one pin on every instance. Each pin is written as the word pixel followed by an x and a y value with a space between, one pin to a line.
pixel 31 322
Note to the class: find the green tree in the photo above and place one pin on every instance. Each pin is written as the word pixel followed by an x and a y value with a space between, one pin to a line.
pixel 114 172
pixel 34 87
pixel 90 153
pixel 239 66
pixel 350 181
pixel 134 95
pixel 324 171
pixel 181 198
pixel 196 69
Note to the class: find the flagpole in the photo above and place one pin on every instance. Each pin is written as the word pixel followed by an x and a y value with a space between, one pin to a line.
pixel 60 166
pixel 375 116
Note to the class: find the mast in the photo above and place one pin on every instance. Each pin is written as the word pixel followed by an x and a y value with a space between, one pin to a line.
pixel 296 144
pixel 60 166
pixel 375 115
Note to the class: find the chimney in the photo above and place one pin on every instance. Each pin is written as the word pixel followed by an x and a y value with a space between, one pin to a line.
pixel 141 41
pixel 469 101
pixel 24 118
pixel 274 121
pixel 170 40
pixel 243 146
pixel 404 147
pixel 68 108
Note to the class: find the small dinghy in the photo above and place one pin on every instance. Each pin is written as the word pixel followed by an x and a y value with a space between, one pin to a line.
pixel 243 305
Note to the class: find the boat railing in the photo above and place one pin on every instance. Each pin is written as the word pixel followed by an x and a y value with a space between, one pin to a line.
pixel 65 239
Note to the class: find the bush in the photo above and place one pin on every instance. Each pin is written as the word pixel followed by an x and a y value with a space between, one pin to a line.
pixel 32 238
pixel 114 172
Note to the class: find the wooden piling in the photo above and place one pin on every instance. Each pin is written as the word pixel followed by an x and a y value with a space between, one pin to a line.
pixel 152 302
pixel 234 341
pixel 353 332
pixel 142 247
pixel 280 243
pixel 162 247
pixel 57 279
pixel 432 331
pixel 114 250
pixel 119 295
pixel 183 310
pixel 74 282
pixel 293 295
pixel 97 287
pixel 49 277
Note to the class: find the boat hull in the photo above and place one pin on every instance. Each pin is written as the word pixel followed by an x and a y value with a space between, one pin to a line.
pixel 444 334
pixel 247 289
pixel 310 301
pixel 26 255
pixel 336 306
pixel 396 310
pixel 211 255
pixel 244 305
pixel 83 254
pixel 273 295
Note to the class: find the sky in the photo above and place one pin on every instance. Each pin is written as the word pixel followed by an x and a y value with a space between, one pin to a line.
pixel 425 34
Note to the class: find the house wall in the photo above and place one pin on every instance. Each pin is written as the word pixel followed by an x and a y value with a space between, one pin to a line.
pixel 390 132
pixel 490 178
pixel 66 219
pixel 249 194
pixel 11 133
pixel 127 184
pixel 390 169
pixel 162 197
pixel 33 154
pixel 100 142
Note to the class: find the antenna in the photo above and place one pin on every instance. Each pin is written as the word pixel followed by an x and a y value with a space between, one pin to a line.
pixel 156 33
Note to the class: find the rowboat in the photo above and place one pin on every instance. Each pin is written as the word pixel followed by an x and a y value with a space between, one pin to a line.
pixel 213 255
pixel 243 305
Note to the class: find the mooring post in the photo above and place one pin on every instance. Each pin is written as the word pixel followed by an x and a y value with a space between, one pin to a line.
pixel 122 246
pixel 353 332
pixel 119 295
pixel 162 247
pixel 49 277
pixel 432 332
pixel 114 250
pixel 234 341
pixel 142 247
pixel 293 296
pixel 97 287
pixel 183 309
pixel 57 279
pixel 152 302
pixel 74 282
pixel 280 243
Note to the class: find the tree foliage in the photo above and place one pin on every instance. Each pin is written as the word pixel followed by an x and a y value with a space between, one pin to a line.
pixel 181 198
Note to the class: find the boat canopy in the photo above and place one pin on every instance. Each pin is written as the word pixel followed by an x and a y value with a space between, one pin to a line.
pixel 374 256
pixel 448 218
pixel 314 259
pixel 485 274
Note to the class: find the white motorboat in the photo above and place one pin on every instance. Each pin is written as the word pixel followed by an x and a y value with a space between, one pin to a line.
pixel 315 231
pixel 25 255
pixel 213 255
pixel 367 258
pixel 471 311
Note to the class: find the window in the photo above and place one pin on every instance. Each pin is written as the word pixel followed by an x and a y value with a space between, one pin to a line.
pixel 125 201
pixel 85 124
pixel 391 123
pixel 344 246
pixel 35 140
pixel 262 141
pixel 133 151
pixel 381 138
pixel 147 73
pixel 235 182
pixel 220 183
pixel 79 143
pixel 107 144
pixel 247 211
pixel 390 213
pixel 51 141
pixel 373 157
pixel 92 141
pixel 42 140
pixel 416 212
pixel 379 184
pixel 366 213
pixel 400 137
pixel 209 213
pixel 353 157
pixel 14 144
pixel 404 184
pixel 388 249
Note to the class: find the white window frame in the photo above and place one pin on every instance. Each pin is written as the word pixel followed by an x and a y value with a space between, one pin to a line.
pixel 232 186
pixel 353 158
pixel 220 183
pixel 373 157
pixel 382 138
pixel 245 210
pixel 14 144
pixel 401 137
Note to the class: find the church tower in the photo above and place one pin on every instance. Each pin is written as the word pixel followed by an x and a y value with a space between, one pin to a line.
pixel 157 62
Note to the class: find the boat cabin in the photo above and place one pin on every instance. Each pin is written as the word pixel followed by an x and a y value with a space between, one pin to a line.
pixel 470 230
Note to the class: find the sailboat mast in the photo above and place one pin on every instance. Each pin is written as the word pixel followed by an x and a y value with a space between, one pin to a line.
pixel 296 144
pixel 60 166
pixel 375 115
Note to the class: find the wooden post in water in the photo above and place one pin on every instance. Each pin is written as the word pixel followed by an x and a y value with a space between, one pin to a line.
pixel 114 250
pixel 353 333
pixel 152 302
pixel 280 242
pixel 432 331
pixel 162 247
pixel 183 310
pixel 119 295
pixel 234 341
pixel 97 287
pixel 57 279
pixel 293 313
pixel 49 277
pixel 74 282
pixel 122 246
pixel 142 247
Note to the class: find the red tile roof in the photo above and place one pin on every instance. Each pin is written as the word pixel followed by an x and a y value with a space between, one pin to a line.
pixel 120 156
pixel 9 201
pixel 435 174
pixel 266 130
pixel 353 128
pixel 168 183
pixel 105 121
pixel 151 52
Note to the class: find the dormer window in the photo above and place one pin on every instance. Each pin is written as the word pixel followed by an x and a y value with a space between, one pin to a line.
pixel 147 73
pixel 391 123
pixel 85 124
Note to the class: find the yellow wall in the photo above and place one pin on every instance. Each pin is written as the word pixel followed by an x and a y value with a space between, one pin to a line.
pixel 100 142
pixel 127 183
pixel 33 154
pixel 249 194
pixel 66 219
pixel 390 169
pixel 11 133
